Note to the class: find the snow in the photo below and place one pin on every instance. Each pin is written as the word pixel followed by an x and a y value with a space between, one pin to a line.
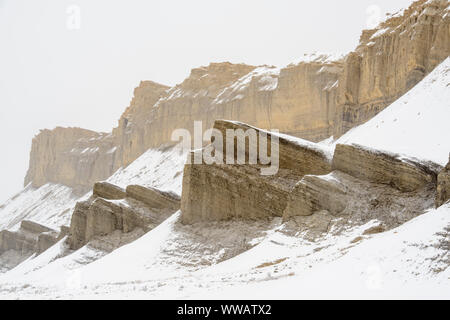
pixel 319 57
pixel 379 33
pixel 161 168
pixel 50 205
pixel 266 80
pixel 407 262
pixel 416 125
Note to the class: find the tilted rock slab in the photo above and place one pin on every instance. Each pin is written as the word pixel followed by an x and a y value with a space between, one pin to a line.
pixel 108 191
pixel 142 208
pixel 314 98
pixel 341 200
pixel 221 191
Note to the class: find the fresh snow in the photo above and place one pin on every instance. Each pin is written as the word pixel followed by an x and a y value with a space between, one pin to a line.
pixel 416 125
pixel 50 205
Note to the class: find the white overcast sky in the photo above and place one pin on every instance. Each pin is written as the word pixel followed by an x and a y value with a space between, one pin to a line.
pixel 52 75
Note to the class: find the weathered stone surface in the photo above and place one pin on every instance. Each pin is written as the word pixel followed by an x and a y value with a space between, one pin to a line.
pixel 153 197
pixel 350 201
pixel 65 231
pixel 45 241
pixel 314 98
pixel 390 60
pixel 98 217
pixel 384 168
pixel 78 225
pixel 316 223
pixel 71 156
pixel 33 227
pixel 315 193
pixel 443 186
pixel 25 240
pixel 102 219
pixel 108 191
pixel 296 155
pixel 221 191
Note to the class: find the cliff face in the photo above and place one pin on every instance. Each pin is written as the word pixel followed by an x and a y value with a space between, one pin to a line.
pixel 315 98
pixel 71 156
pixel 390 60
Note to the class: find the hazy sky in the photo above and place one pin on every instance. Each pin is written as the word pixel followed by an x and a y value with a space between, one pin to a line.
pixel 75 63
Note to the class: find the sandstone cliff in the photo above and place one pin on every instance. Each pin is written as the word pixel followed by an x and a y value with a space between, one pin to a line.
pixel 314 98
pixel 390 60
pixel 71 156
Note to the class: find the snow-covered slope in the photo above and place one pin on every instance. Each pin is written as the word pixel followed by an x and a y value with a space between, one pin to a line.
pixel 417 124
pixel 160 168
pixel 50 205
pixel 410 261
pixel 260 259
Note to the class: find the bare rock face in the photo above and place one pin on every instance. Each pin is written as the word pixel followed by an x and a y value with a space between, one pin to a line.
pixel 153 197
pixel 71 156
pixel 383 168
pixel 213 192
pixel 108 191
pixel 443 186
pixel 390 60
pixel 30 238
pixel 314 98
pixel 364 185
pixel 142 209
pixel 133 134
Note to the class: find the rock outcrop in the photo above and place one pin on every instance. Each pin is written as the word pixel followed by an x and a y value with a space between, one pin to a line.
pixel 99 216
pixel 312 190
pixel 383 168
pixel 443 186
pixel 224 191
pixel 71 156
pixel 153 197
pixel 314 98
pixel 390 60
pixel 31 238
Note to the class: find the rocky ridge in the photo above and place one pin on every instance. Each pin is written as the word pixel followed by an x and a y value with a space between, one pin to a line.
pixel 317 192
pixel 314 98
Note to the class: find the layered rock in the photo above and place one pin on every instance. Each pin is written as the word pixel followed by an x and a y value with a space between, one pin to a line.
pixel 314 98
pixel 153 197
pixel 29 239
pixel 380 167
pixel 443 186
pixel 390 60
pixel 364 185
pixel 108 191
pixel 71 156
pixel 225 191
pixel 140 208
